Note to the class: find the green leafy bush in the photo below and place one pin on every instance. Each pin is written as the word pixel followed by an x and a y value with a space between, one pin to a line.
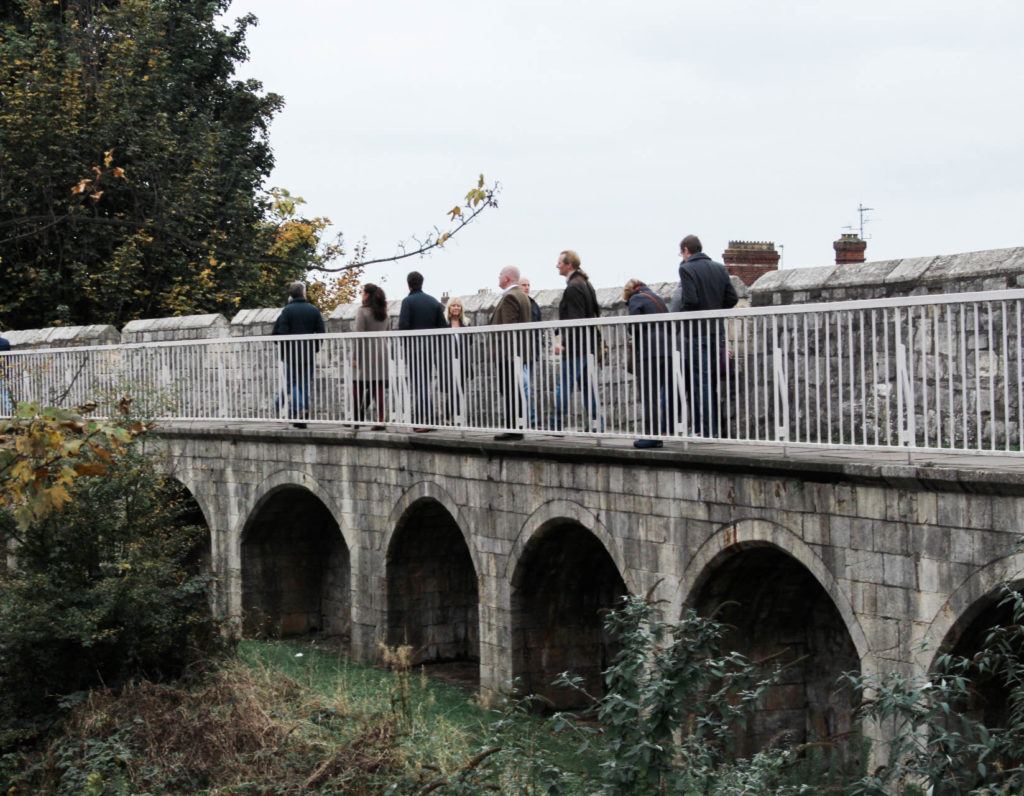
pixel 103 589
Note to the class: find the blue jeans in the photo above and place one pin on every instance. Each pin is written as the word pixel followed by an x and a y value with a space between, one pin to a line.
pixel 6 404
pixel 702 384
pixel 531 410
pixel 575 372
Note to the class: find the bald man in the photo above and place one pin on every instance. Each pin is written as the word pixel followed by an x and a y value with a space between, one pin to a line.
pixel 512 307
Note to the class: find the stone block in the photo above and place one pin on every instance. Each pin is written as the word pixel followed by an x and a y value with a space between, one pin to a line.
pixel 890 537
pixel 899 571
pixel 183 327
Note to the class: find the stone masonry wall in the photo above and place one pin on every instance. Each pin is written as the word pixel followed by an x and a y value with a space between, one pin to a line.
pixel 905 554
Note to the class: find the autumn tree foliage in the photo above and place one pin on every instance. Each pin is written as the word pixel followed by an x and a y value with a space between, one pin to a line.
pixel 102 578
pixel 132 164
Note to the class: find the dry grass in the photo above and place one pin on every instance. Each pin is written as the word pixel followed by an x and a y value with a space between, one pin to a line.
pixel 240 731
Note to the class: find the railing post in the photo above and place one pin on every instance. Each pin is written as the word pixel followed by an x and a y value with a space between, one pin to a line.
pixel 781 391
pixel 904 387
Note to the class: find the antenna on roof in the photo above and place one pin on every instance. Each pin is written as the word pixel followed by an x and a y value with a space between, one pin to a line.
pixel 862 213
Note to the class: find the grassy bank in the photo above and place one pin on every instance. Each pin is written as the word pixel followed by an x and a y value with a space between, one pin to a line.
pixel 280 718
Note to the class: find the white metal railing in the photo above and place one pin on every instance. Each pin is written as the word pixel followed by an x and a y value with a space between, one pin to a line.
pixel 929 372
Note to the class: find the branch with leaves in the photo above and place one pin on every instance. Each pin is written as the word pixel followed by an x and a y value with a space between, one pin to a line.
pixel 43 451
pixel 478 199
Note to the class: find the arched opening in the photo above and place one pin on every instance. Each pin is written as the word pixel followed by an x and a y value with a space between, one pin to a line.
pixel 189 514
pixel 295 569
pixel 779 613
pixel 989 696
pixel 562 586
pixel 433 600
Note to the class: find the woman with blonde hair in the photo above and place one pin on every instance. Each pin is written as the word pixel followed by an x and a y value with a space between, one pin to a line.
pixel 457 368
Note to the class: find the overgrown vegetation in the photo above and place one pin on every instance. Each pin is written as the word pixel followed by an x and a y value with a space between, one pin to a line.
pixel 103 584
pixel 111 681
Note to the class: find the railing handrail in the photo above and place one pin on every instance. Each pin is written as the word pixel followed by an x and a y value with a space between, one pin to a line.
pixel 616 320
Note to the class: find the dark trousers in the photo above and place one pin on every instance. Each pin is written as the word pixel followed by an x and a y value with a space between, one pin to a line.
pixel 702 381
pixel 656 395
pixel 365 391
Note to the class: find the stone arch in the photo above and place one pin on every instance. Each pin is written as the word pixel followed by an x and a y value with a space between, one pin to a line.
pixel 959 627
pixel 781 602
pixel 564 573
pixel 295 560
pixel 297 478
pixel 569 510
pixel 436 492
pixel 188 480
pixel 965 605
pixel 432 583
pixel 199 515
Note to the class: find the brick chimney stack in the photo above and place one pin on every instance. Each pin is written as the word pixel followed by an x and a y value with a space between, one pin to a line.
pixel 750 260
pixel 849 249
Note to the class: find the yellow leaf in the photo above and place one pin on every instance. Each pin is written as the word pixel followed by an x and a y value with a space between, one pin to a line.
pixel 119 173
pixel 108 158
pixel 59 496
pixel 455 212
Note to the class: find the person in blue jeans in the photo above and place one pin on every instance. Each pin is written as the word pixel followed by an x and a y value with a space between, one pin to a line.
pixel 579 301
pixel 535 342
pixel 299 356
pixel 706 285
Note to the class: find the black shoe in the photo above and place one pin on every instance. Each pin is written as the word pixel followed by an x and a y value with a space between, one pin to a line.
pixel 508 437
pixel 299 425
pixel 648 443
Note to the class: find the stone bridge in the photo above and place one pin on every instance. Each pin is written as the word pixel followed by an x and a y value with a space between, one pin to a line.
pixel 502 556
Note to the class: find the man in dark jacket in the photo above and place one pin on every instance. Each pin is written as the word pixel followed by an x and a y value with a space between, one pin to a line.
pixel 420 311
pixel 579 345
pixel 705 285
pixel 299 356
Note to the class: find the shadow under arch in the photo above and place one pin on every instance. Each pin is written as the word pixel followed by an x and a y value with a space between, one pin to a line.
pixel 563 577
pixel 432 583
pixel 781 603
pixel 295 561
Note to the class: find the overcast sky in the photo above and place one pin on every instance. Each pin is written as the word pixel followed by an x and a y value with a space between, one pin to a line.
pixel 616 128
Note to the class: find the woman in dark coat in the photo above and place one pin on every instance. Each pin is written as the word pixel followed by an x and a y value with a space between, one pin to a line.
pixel 371 356
pixel 652 362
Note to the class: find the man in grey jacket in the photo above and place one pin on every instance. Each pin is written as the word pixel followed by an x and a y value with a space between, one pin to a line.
pixel 705 285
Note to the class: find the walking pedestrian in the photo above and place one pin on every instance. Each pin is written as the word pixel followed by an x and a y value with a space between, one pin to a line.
pixel 512 307
pixel 650 361
pixel 534 342
pixel 420 311
pixel 299 317
pixel 578 345
pixel 705 285
pixel 371 356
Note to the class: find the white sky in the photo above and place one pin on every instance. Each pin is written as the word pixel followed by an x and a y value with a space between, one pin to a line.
pixel 616 128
